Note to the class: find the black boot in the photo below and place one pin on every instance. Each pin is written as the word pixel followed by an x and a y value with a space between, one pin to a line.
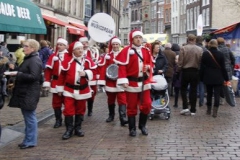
pixel 58 116
pixel 142 123
pixel 122 114
pixel 111 109
pixel 90 107
pixel 215 110
pixel 132 126
pixel 209 108
pixel 69 127
pixel 78 125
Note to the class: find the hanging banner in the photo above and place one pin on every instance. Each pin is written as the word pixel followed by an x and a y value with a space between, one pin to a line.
pixel 199 25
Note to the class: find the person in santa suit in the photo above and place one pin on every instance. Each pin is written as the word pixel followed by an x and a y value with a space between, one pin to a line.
pixel 94 55
pixel 113 92
pixel 134 75
pixel 51 75
pixel 73 85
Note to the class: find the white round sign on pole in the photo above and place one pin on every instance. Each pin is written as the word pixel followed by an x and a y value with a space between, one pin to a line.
pixel 101 27
pixel 199 25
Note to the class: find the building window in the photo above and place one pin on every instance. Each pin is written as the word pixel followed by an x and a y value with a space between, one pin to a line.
pixel 136 15
pixel 132 18
pixel 195 17
pixel 204 17
pixel 188 20
pixel 207 17
pixel 140 15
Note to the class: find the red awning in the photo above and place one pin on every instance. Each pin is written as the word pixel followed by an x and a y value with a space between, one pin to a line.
pixel 74 30
pixel 225 29
pixel 81 26
pixel 55 20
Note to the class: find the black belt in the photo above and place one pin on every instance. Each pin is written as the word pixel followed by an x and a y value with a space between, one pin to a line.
pixel 139 79
pixel 77 87
pixel 55 77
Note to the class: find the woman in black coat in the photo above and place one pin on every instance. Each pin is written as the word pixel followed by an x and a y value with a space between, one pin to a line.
pixel 161 63
pixel 213 74
pixel 26 92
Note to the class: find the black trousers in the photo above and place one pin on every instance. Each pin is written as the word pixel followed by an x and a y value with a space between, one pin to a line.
pixel 216 90
pixel 190 77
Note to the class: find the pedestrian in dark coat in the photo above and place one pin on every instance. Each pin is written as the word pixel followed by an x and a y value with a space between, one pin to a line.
pixel 213 74
pixel 26 92
pixel 161 63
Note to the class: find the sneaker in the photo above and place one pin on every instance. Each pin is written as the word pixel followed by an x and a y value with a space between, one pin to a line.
pixel 184 111
pixel 193 114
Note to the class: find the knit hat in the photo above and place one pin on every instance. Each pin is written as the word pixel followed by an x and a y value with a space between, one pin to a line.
pixel 63 41
pixel 83 39
pixel 132 34
pixel 113 40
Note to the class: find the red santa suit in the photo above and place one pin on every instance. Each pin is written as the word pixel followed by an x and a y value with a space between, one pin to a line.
pixel 51 75
pixel 111 86
pixel 76 92
pixel 131 72
pixel 94 55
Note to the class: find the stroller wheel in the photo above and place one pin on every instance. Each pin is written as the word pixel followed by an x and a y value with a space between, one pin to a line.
pixel 167 116
pixel 151 116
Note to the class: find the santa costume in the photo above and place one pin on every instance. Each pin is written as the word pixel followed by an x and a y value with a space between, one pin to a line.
pixel 135 69
pixel 75 88
pixel 94 55
pixel 113 91
pixel 51 75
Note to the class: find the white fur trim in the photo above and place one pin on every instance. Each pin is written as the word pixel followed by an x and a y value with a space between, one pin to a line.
pixel 55 58
pixel 77 44
pixel 46 84
pixel 121 81
pixel 131 52
pixel 47 66
pixel 69 64
pixel 116 40
pixel 77 96
pixel 101 82
pixel 139 88
pixel 83 39
pixel 107 57
pixel 59 89
pixel 114 89
pixel 53 90
pixel 89 74
pixel 137 33
pixel 92 83
pixel 91 67
pixel 63 41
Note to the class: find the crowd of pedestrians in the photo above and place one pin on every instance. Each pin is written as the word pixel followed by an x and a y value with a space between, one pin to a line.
pixel 73 72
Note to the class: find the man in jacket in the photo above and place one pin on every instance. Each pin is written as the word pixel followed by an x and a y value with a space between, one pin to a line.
pixel 189 64
pixel 135 64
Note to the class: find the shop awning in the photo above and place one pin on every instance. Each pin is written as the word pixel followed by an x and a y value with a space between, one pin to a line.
pixel 21 16
pixel 55 20
pixel 76 31
pixel 81 26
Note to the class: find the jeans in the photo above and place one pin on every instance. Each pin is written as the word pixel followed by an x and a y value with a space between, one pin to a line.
pixel 31 127
pixel 201 93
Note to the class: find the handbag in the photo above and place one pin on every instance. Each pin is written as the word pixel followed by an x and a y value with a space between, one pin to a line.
pixel 229 94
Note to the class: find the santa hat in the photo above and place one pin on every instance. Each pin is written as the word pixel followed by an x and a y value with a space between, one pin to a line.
pixel 113 40
pixel 83 39
pixel 132 34
pixel 73 46
pixel 63 41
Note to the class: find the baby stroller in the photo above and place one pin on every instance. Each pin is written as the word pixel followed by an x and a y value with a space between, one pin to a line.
pixel 160 98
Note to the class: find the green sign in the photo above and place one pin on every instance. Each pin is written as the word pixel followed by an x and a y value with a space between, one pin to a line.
pixel 21 16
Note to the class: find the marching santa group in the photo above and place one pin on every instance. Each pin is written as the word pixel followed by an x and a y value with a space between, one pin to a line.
pixel 74 71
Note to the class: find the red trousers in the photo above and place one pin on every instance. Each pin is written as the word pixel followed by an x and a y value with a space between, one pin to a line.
pixel 74 107
pixel 136 99
pixel 120 96
pixel 57 101
pixel 94 88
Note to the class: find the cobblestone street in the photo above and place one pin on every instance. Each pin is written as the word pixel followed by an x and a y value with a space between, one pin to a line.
pixel 200 137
